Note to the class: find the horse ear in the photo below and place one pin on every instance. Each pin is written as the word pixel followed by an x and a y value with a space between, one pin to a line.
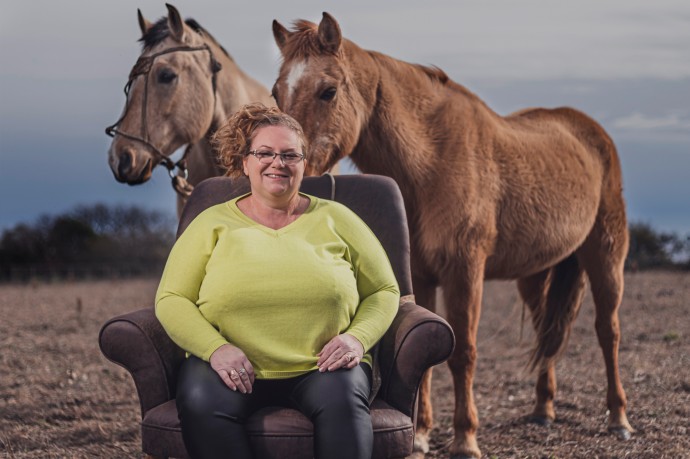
pixel 144 24
pixel 329 33
pixel 175 23
pixel 281 34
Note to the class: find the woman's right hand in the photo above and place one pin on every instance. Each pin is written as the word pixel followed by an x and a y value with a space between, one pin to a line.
pixel 233 367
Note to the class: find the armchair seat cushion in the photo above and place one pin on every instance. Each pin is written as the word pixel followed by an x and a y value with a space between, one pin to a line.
pixel 277 432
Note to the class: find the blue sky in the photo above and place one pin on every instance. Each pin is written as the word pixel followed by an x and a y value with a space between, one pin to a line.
pixel 626 63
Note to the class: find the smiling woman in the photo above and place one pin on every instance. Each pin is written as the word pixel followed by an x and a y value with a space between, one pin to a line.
pixel 278 298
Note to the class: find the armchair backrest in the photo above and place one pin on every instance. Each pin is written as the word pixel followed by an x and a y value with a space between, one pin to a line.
pixel 375 198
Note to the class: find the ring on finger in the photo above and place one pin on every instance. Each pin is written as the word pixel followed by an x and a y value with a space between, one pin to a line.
pixel 349 357
pixel 242 371
pixel 233 374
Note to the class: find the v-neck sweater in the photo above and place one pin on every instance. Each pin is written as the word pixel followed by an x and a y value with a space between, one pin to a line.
pixel 279 295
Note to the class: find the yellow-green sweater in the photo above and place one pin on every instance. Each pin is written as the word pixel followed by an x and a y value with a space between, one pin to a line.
pixel 279 295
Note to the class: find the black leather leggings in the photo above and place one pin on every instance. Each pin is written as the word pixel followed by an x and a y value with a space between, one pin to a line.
pixel 213 416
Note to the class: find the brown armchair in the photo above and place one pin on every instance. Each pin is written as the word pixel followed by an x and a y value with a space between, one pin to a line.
pixel 417 339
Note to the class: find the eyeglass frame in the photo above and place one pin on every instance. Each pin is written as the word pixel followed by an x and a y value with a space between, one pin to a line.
pixel 280 155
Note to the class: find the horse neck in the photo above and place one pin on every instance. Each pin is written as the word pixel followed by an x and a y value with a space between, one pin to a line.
pixel 234 88
pixel 416 124
pixel 202 163
pixel 406 123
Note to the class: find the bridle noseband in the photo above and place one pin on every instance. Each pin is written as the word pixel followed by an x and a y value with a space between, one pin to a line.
pixel 143 66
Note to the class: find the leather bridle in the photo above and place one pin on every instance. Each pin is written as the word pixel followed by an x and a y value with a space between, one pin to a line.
pixel 143 66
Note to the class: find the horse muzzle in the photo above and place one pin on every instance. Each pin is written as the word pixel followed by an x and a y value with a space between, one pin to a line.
pixel 126 169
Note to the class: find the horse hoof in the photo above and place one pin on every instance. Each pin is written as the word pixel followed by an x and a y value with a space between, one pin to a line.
pixel 621 433
pixel 421 445
pixel 540 420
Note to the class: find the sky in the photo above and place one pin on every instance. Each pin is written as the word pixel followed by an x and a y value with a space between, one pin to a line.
pixel 624 62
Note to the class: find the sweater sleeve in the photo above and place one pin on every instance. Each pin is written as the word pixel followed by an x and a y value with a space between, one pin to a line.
pixel 378 289
pixel 178 292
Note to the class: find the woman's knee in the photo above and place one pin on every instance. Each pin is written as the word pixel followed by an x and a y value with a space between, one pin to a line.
pixel 195 402
pixel 343 392
pixel 344 404
pixel 201 394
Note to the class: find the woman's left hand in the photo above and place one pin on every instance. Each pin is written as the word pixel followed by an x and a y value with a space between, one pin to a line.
pixel 343 351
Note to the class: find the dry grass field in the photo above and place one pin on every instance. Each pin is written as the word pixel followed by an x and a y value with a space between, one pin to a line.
pixel 60 398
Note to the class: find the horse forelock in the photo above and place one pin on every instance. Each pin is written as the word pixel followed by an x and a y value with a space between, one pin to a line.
pixel 303 42
pixel 160 31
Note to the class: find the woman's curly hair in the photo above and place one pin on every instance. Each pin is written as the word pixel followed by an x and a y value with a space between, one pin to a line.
pixel 233 140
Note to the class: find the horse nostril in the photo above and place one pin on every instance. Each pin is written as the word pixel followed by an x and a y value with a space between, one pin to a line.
pixel 124 165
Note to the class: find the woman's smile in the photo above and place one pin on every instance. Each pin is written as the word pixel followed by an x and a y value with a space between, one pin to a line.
pixel 274 175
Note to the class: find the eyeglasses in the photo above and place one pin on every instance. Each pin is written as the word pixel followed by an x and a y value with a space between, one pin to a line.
pixel 267 156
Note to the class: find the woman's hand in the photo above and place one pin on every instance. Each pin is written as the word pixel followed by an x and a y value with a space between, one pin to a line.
pixel 233 367
pixel 343 351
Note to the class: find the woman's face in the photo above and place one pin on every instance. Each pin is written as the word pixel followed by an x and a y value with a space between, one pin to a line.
pixel 274 180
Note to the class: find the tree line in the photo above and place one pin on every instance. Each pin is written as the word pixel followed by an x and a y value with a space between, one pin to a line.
pixel 109 241
pixel 651 249
pixel 88 241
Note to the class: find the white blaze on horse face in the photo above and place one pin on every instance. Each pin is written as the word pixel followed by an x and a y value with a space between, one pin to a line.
pixel 294 75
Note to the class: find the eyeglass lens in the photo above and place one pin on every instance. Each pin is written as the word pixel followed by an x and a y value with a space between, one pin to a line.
pixel 267 157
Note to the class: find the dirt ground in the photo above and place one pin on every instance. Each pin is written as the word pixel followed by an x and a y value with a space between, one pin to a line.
pixel 60 398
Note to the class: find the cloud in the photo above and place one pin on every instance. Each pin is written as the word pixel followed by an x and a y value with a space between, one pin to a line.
pixel 639 121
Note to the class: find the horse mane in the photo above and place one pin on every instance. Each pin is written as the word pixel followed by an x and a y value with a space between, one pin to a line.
pixel 439 76
pixel 160 31
pixel 434 73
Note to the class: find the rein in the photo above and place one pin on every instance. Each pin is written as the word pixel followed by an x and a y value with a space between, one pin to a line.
pixel 143 66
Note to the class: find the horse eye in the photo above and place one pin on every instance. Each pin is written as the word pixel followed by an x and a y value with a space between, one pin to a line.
pixel 328 94
pixel 166 76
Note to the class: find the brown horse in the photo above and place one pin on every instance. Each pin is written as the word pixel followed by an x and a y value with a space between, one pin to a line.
pixel 535 196
pixel 182 87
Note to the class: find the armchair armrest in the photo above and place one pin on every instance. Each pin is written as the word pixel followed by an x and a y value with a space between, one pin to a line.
pixel 138 342
pixel 416 340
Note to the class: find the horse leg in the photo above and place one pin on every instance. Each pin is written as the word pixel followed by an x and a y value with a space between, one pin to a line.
pixel 462 289
pixel 425 295
pixel 603 255
pixel 533 290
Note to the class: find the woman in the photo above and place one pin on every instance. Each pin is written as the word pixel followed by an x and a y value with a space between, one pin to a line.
pixel 277 297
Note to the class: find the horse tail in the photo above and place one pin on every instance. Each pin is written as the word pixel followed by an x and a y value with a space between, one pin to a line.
pixel 554 319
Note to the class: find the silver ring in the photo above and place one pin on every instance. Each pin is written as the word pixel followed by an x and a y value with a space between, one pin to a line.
pixel 349 357
pixel 233 374
pixel 242 371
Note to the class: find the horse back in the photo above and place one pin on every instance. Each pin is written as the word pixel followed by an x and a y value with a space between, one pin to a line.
pixel 588 131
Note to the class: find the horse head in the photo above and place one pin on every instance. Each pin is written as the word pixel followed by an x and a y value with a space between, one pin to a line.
pixel 320 85
pixel 171 97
